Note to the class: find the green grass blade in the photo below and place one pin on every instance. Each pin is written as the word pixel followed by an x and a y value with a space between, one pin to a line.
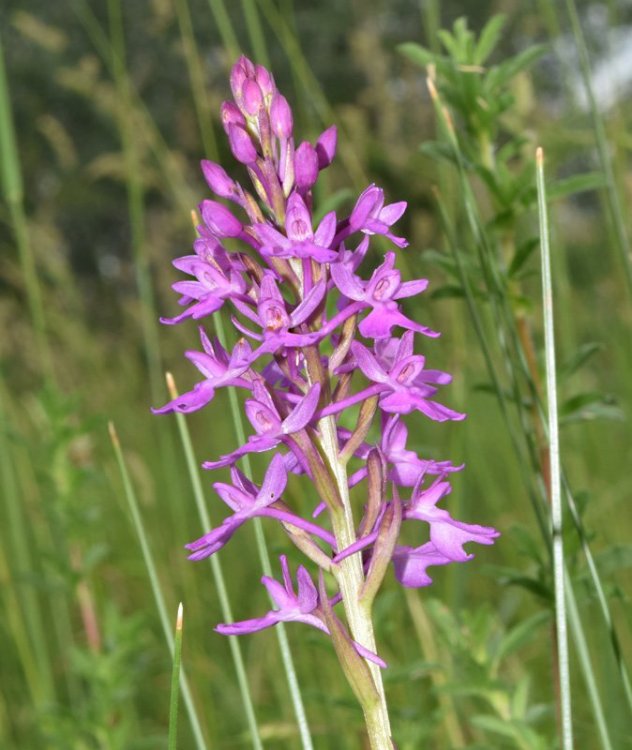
pixel 175 682
pixel 196 79
pixel 132 502
pixel 216 567
pixel 615 208
pixel 12 190
pixel 554 460
pixel 32 623
pixel 583 654
pixel 135 200
pixel 255 33
pixel 225 28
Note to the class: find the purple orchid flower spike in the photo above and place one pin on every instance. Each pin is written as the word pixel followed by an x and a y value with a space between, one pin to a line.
pixel 219 370
pixel 293 287
pixel 447 535
pixel 300 606
pixel 407 467
pixel 299 241
pixel 270 428
pixel 380 293
pixel 411 564
pixel 371 216
pixel 401 387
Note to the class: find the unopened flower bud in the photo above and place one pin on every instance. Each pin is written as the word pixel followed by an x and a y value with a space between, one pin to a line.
pixel 251 97
pixel 218 180
pixel 241 145
pixel 219 219
pixel 231 115
pixel 281 117
pixel 326 146
pixel 305 166
pixel 266 83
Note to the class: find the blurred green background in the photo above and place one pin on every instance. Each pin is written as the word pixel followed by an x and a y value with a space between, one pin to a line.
pixel 113 105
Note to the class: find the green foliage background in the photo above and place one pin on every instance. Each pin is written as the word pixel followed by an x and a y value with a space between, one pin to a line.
pixel 113 105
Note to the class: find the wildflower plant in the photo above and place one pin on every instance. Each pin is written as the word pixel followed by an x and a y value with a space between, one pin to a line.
pixel 324 344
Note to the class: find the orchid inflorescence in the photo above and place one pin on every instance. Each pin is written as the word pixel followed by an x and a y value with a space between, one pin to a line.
pixel 313 325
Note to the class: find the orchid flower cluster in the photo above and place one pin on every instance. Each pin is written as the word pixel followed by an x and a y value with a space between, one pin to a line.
pixel 327 356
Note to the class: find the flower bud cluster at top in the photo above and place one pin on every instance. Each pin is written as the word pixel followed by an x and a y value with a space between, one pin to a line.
pixel 314 325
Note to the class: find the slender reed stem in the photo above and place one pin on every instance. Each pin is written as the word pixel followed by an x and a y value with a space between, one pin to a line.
pixel 175 682
pixel 554 464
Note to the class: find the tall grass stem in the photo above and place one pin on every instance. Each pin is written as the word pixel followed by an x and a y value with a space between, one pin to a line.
pixel 175 682
pixel 554 463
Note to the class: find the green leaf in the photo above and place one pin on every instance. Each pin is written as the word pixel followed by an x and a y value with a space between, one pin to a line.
pixel 417 54
pixel 523 252
pixel 615 558
pixel 439 151
pixel 578 183
pixel 489 38
pixel 520 634
pixel 588 406
pixel 578 359
pixel 502 74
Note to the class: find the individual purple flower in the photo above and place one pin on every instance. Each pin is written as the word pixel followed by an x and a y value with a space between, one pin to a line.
pixel 411 564
pixel 216 280
pixel 292 606
pixel 219 370
pixel 447 535
pixel 274 319
pixel 407 467
pixel 270 429
pixel 246 500
pixel 380 293
pixel 402 387
pixel 299 240
pixel 371 216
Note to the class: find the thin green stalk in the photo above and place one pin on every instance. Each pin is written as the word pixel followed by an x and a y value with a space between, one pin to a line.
pixel 216 567
pixel 13 193
pixel 583 654
pixel 135 200
pixel 554 461
pixel 152 572
pixel 615 209
pixel 175 683
pixel 196 79
pixel 225 28
pixel 255 32
pixel 20 551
